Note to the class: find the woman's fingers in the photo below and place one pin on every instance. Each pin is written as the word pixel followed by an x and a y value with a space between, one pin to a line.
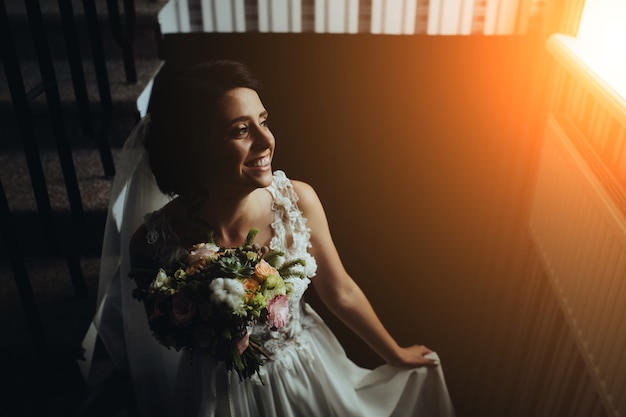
pixel 242 343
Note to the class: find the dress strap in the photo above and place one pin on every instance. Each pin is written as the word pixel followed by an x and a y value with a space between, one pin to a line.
pixel 289 221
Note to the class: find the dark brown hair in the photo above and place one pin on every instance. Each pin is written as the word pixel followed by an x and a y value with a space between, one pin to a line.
pixel 182 110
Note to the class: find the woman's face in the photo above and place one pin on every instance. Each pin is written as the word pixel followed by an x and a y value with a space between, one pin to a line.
pixel 242 145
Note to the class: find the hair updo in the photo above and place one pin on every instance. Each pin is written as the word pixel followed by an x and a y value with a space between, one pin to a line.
pixel 182 111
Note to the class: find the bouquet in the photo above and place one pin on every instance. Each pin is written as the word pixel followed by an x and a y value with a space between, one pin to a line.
pixel 210 298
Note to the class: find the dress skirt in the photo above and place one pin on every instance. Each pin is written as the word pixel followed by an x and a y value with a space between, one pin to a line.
pixel 310 375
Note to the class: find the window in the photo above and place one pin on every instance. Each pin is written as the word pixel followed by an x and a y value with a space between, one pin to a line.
pixel 601 41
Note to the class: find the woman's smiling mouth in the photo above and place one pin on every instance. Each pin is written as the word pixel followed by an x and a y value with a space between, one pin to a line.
pixel 259 162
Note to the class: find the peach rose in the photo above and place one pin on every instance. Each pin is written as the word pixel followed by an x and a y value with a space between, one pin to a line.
pixel 251 286
pixel 262 270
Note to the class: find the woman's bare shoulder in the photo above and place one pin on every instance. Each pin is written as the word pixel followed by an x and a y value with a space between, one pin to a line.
pixel 305 192
pixel 308 199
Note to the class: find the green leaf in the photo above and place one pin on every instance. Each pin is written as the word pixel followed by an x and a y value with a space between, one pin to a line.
pixel 251 235
pixel 286 270
pixel 210 237
pixel 272 257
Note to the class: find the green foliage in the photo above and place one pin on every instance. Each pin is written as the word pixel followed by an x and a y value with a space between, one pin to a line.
pixel 251 235
pixel 272 257
pixel 234 267
pixel 287 269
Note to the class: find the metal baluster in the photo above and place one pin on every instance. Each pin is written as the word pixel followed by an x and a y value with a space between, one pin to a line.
pixel 76 67
pixel 124 34
pixel 104 88
pixel 21 106
pixel 20 274
pixel 65 156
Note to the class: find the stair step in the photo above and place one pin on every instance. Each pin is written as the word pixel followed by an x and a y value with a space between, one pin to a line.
pixel 95 190
pixel 54 386
pixel 94 186
pixel 55 383
pixel 123 94
pixel 143 34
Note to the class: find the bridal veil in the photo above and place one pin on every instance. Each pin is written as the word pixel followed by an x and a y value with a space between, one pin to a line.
pixel 120 320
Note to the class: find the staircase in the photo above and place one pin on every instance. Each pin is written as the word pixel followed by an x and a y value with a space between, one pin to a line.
pixel 39 371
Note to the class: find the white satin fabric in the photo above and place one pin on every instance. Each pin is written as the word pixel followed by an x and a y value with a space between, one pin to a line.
pixel 309 374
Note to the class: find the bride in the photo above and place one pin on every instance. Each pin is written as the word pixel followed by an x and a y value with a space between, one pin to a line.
pixel 209 147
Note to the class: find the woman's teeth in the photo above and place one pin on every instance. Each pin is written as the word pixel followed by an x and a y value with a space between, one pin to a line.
pixel 261 162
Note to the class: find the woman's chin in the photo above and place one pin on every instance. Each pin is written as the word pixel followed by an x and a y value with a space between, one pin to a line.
pixel 262 177
pixel 257 181
pixel 267 179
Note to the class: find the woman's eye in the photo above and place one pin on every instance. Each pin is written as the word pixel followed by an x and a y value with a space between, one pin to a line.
pixel 240 131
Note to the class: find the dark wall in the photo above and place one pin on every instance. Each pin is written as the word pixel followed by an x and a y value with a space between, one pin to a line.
pixel 422 150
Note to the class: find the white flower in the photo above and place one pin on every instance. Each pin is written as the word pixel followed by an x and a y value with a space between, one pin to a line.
pixel 161 282
pixel 229 292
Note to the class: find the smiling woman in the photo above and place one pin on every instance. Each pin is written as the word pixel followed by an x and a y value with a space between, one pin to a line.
pixel 232 254
pixel 242 144
pixel 184 116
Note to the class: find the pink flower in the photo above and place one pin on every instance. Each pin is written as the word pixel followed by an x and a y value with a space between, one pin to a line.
pixel 278 309
pixel 204 250
pixel 199 255
pixel 183 310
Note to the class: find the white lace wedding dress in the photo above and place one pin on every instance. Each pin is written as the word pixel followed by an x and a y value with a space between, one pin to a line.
pixel 308 374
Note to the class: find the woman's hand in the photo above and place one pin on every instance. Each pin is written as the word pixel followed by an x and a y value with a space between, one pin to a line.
pixel 413 356
pixel 242 343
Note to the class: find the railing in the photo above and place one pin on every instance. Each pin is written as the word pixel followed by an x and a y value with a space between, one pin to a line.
pixel 432 17
pixel 49 88
pixel 579 221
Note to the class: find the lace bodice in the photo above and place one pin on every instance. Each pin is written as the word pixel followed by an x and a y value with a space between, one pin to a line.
pixel 291 236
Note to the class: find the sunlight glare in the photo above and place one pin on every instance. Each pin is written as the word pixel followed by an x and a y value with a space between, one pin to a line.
pixel 602 40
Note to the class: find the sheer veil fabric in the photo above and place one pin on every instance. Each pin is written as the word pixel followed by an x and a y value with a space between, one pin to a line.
pixel 120 321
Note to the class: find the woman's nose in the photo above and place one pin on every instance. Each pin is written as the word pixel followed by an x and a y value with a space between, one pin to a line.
pixel 263 137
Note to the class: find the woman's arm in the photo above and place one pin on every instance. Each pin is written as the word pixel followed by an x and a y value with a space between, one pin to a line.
pixel 342 295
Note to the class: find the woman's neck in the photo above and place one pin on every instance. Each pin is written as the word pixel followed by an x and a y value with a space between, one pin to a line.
pixel 229 216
